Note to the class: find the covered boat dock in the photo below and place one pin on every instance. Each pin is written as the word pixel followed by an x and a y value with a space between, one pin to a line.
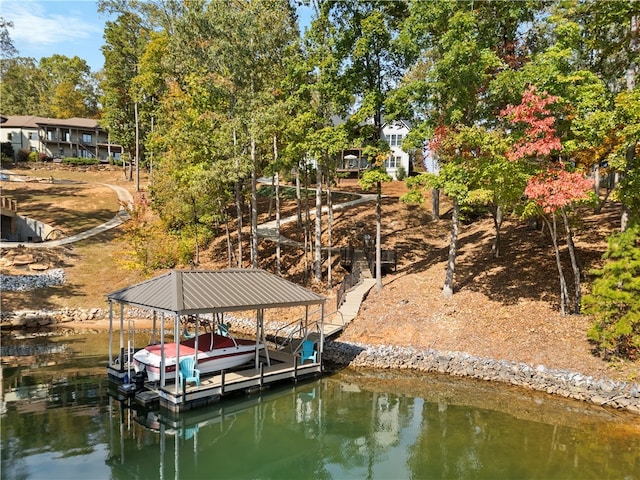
pixel 204 296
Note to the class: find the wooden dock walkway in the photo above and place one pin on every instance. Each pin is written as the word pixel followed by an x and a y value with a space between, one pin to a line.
pixel 352 299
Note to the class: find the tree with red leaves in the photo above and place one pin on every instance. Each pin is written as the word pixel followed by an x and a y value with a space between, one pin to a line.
pixel 539 138
pixel 555 189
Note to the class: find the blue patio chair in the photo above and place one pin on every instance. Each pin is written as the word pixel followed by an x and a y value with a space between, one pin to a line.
pixel 308 352
pixel 188 371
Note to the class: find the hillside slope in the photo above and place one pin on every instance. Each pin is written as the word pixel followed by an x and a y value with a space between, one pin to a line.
pixel 504 308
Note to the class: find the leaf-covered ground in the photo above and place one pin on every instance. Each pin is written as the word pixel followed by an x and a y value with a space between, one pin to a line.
pixel 505 308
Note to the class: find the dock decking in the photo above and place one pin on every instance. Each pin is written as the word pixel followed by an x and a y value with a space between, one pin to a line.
pixel 284 366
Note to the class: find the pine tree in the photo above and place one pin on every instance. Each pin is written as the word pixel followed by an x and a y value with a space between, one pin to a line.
pixel 615 298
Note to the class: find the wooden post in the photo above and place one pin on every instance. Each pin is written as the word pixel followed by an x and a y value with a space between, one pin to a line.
pixel 261 374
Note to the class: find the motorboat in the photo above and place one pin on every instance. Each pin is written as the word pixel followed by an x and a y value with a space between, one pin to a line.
pixel 213 353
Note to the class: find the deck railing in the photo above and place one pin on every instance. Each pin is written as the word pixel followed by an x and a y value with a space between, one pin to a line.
pixel 9 203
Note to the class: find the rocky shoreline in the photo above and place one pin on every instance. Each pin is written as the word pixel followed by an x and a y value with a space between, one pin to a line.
pixel 600 391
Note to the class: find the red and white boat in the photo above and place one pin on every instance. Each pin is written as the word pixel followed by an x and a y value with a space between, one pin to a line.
pixel 214 353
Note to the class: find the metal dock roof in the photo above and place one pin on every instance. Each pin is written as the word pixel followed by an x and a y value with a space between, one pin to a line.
pixel 186 292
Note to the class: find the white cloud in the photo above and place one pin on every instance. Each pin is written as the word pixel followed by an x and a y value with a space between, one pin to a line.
pixel 38 24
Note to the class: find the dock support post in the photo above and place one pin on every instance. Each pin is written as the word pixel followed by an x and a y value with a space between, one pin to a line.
pixel 222 378
pixel 261 374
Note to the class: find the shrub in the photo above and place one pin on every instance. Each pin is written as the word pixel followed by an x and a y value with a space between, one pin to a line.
pixel 34 156
pixel 614 301
pixel 23 155
pixel 80 161
pixel 6 150
pixel 401 173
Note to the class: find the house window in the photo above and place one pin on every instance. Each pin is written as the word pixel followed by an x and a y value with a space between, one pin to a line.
pixel 86 138
pixel 33 135
pixel 393 162
pixel 9 136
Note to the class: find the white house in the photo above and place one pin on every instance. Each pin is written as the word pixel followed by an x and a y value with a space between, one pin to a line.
pixel 58 138
pixel 394 133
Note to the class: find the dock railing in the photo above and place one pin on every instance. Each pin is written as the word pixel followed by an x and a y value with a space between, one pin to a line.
pixel 349 281
pixel 293 331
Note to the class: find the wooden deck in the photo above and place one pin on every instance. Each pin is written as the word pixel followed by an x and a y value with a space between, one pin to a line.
pixel 284 367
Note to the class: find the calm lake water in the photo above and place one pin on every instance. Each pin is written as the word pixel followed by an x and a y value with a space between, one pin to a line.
pixel 59 421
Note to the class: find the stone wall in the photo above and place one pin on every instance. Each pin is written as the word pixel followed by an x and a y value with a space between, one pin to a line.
pixel 22 283
pixel 622 395
pixel 30 319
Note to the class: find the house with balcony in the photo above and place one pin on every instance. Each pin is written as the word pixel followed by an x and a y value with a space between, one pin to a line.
pixel 58 138
pixel 351 161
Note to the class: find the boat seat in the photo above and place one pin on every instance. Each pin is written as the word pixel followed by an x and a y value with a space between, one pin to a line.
pixel 188 372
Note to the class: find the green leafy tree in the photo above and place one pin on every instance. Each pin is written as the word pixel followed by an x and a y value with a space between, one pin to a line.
pixel 625 157
pixel 614 301
pixel 70 89
pixel 454 66
pixel 21 87
pixel 125 42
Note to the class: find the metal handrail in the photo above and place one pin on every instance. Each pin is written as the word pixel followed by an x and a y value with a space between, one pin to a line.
pixel 349 281
pixel 296 331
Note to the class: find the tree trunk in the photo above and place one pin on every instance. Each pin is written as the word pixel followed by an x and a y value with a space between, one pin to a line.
pixel 271 194
pixel 329 233
pixel 276 178
pixel 564 293
pixel 135 105
pixel 229 245
pixel 254 205
pixel 435 204
pixel 575 265
pixel 239 215
pixel 196 259
pixel 630 157
pixel 498 218
pixel 307 226
pixel 238 195
pixel 298 198
pixel 318 236
pixel 378 237
pixel 596 188
pixel 447 289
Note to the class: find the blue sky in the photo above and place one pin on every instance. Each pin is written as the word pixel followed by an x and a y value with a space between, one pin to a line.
pixel 42 28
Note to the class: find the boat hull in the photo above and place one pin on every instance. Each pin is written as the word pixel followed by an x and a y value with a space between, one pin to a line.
pixel 213 352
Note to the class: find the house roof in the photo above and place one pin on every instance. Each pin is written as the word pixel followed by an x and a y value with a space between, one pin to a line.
pixel 74 122
pixel 20 121
pixel 31 121
pixel 187 292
